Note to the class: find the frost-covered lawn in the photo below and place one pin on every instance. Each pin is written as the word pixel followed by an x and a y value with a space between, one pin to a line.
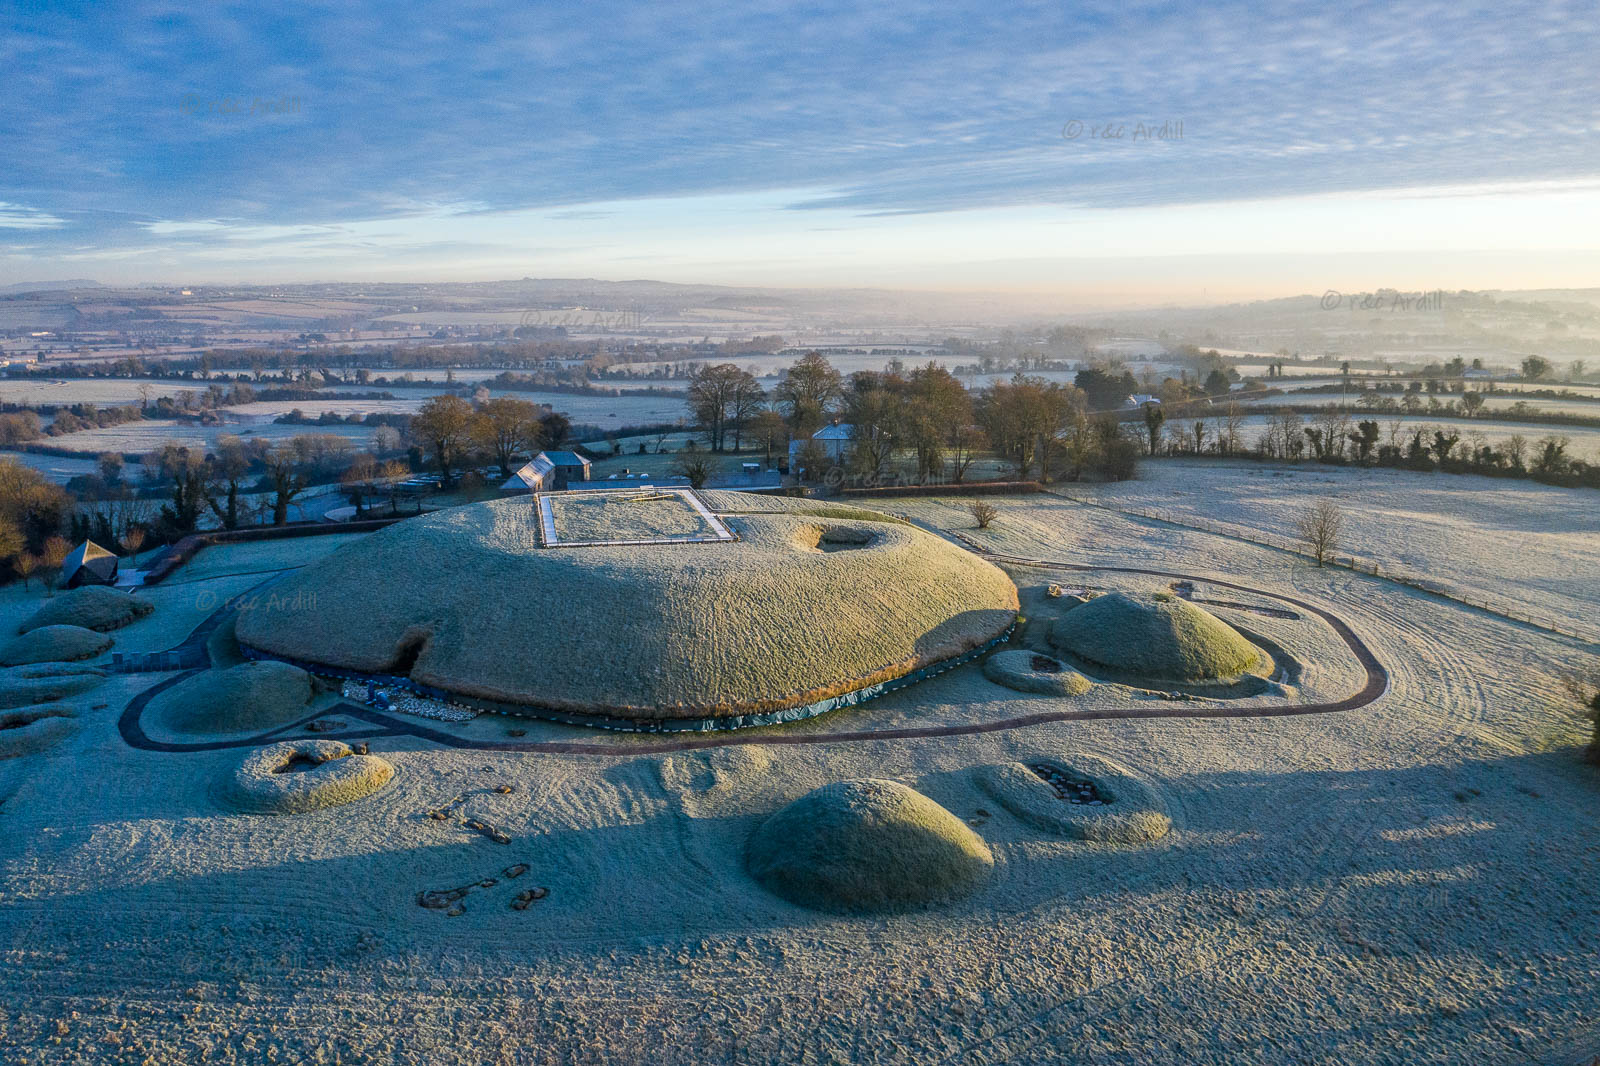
pixel 1415 882
pixel 1532 548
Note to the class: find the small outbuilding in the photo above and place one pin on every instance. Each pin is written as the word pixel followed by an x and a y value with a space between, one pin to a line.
pixel 547 472
pixel 89 564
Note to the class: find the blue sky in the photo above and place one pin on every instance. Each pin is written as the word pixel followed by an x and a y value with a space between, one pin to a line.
pixel 946 145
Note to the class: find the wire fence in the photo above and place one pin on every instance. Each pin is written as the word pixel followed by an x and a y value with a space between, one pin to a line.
pixel 1356 563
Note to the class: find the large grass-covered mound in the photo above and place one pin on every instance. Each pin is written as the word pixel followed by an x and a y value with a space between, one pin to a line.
pixel 1160 637
pixel 92 607
pixel 799 609
pixel 246 698
pixel 867 845
pixel 54 644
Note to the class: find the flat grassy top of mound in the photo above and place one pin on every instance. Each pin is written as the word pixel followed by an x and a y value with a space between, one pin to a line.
pixel 467 601
pixel 624 515
pixel 92 607
pixel 1158 637
pixel 727 501
pixel 867 845
pixel 244 698
pixel 54 644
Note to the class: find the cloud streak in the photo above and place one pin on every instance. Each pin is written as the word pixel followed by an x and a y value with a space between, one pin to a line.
pixel 150 120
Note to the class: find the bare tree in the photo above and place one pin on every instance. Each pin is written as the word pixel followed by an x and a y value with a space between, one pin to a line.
pixel 52 556
pixel 1318 528
pixel 1584 688
pixel 983 512
pixel 695 466
pixel 132 541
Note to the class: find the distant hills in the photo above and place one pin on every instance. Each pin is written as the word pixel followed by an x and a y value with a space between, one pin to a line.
pixel 49 286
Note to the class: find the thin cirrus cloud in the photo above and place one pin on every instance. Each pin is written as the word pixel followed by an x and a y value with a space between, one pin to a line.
pixel 246 130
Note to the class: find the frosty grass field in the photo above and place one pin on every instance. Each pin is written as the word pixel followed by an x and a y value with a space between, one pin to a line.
pixel 1411 882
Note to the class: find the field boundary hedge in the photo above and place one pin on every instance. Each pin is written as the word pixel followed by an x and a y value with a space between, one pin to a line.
pixel 964 488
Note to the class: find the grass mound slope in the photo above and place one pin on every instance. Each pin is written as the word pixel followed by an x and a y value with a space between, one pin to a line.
pixel 92 607
pixel 25 730
pixel 1046 792
pixel 304 775
pixel 1029 671
pixel 467 601
pixel 867 845
pixel 239 699
pixel 23 686
pixel 1158 636
pixel 716 769
pixel 54 644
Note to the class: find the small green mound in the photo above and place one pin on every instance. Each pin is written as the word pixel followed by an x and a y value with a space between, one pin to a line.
pixel 26 730
pixel 240 699
pixel 92 607
pixel 304 775
pixel 1130 810
pixel 54 644
pixel 1157 637
pixel 23 686
pixel 1028 671
pixel 867 845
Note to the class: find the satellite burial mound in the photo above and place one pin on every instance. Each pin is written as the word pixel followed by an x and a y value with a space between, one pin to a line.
pixel 867 845
pixel 246 698
pixel 1028 671
pixel 23 686
pixel 798 610
pixel 54 644
pixel 92 607
pixel 303 775
pixel 26 730
pixel 1080 796
pixel 1156 637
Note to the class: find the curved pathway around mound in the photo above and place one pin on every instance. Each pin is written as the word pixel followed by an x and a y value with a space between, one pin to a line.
pixel 379 724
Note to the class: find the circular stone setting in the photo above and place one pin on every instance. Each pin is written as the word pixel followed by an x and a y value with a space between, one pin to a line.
pixel 1117 807
pixel 467 602
pixel 303 775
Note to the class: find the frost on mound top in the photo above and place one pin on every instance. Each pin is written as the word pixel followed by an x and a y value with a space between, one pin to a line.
pixel 54 644
pixel 92 607
pixel 867 845
pixel 245 698
pixel 1159 636
pixel 798 610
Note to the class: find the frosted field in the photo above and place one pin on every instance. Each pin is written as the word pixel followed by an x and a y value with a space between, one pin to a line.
pixel 1531 548
pixel 143 437
pixel 605 411
pixel 107 392
pixel 1412 882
